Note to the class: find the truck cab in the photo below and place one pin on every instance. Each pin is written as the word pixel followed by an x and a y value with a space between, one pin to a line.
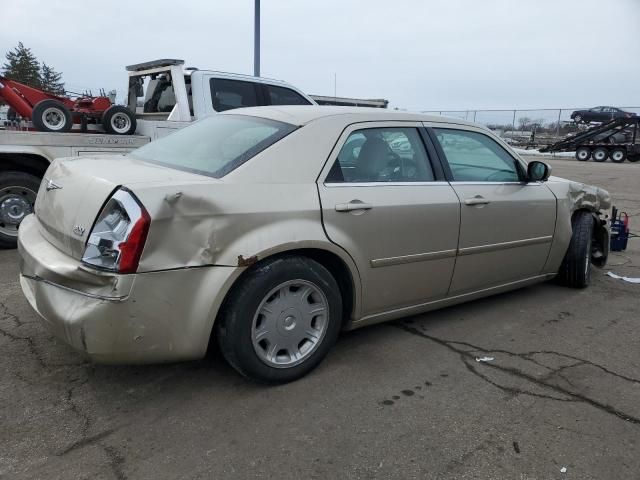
pixel 165 96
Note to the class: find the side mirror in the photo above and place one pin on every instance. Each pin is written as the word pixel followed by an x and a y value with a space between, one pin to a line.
pixel 538 171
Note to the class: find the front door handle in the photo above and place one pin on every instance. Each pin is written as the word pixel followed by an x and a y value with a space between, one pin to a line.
pixel 353 205
pixel 477 200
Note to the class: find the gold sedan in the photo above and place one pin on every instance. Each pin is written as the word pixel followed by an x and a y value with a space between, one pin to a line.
pixel 272 229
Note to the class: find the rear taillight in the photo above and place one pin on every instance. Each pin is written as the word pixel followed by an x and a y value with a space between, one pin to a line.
pixel 118 236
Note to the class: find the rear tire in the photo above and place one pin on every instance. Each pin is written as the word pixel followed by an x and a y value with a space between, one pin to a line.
pixel 633 158
pixel 618 155
pixel 51 116
pixel 18 192
pixel 276 302
pixel 583 154
pixel 600 154
pixel 118 120
pixel 575 270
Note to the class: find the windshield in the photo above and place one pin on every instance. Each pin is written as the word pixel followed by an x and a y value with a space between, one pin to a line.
pixel 216 145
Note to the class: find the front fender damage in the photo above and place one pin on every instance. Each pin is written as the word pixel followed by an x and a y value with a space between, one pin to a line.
pixel 574 196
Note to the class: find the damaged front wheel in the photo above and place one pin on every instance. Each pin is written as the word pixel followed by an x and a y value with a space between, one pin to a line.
pixel 575 270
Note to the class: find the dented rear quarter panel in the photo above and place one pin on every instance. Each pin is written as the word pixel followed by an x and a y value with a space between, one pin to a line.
pixel 267 206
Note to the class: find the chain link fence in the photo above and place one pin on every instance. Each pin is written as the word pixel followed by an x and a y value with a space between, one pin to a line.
pixel 533 128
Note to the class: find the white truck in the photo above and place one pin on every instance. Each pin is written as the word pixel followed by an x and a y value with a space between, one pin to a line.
pixel 164 96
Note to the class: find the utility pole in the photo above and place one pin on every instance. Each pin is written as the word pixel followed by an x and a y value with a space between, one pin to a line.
pixel 256 40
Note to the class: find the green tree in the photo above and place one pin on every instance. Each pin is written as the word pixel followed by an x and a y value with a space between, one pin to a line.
pixel 50 80
pixel 22 66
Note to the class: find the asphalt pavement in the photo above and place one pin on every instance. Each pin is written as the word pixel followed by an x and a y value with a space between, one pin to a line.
pixel 556 397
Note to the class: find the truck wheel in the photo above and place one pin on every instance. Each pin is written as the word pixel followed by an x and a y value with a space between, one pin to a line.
pixel 281 320
pixel 583 154
pixel 633 158
pixel 51 116
pixel 118 120
pixel 618 155
pixel 575 270
pixel 600 154
pixel 18 193
pixel 578 118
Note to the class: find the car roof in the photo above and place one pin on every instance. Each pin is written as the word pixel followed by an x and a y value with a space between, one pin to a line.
pixel 303 114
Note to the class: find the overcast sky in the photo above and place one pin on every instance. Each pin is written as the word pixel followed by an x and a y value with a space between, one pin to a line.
pixel 420 55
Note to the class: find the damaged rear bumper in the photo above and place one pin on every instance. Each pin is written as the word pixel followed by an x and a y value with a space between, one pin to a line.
pixel 139 318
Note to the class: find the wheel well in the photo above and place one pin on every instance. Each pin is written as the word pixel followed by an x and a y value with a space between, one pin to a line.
pixel 340 272
pixel 330 261
pixel 24 162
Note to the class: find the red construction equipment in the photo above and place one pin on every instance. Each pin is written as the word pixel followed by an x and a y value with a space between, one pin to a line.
pixel 53 113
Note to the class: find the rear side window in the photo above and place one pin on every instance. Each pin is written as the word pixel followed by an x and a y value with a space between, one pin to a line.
pixel 284 96
pixel 229 94
pixel 216 145
pixel 160 97
pixel 393 154
pixel 475 157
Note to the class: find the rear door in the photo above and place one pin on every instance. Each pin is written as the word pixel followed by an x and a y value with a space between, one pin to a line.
pixel 507 224
pixel 386 203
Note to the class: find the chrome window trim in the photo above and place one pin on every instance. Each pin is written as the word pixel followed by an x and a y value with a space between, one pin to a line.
pixel 524 184
pixel 435 183
pixel 384 184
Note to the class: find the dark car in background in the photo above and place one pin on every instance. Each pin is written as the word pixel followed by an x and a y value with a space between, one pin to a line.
pixel 599 114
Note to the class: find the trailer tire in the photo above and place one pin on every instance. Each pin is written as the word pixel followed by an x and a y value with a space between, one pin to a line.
pixel 600 154
pixel 51 116
pixel 633 158
pixel 18 192
pixel 575 270
pixel 618 155
pixel 583 154
pixel 118 120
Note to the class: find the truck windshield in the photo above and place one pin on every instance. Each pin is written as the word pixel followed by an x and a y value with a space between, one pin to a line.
pixel 215 145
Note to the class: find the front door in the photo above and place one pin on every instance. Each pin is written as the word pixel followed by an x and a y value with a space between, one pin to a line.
pixel 507 224
pixel 383 204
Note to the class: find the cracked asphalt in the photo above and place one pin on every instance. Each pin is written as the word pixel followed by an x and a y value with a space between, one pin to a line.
pixel 407 399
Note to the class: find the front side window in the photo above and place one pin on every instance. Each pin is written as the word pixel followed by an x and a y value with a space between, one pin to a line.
pixel 228 94
pixel 475 157
pixel 216 145
pixel 284 96
pixel 394 154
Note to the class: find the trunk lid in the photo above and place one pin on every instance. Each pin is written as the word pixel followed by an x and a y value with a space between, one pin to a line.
pixel 74 190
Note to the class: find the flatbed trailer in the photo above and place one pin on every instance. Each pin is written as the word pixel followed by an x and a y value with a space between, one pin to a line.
pixel 618 140
pixel 25 156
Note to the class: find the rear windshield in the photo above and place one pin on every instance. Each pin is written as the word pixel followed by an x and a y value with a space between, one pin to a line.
pixel 216 145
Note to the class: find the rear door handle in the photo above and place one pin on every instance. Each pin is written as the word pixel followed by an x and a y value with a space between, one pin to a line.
pixel 353 205
pixel 477 200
